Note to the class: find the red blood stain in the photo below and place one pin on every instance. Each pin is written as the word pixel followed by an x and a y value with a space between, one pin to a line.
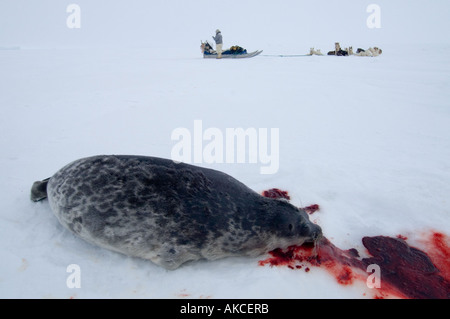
pixel 406 271
pixel 311 209
pixel 438 248
pixel 276 193
pixel 323 254
pixel 419 274
pixel 183 294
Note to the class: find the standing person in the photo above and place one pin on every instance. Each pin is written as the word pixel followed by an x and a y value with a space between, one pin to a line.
pixel 218 39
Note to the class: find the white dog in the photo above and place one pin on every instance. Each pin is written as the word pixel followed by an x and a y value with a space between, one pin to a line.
pixel 370 52
pixel 312 51
pixel 349 50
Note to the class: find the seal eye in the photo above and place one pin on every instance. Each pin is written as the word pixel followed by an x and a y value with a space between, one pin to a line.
pixel 290 227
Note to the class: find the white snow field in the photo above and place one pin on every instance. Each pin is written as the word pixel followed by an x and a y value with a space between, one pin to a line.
pixel 368 139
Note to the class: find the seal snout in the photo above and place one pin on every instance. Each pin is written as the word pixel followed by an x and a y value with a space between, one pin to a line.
pixel 314 233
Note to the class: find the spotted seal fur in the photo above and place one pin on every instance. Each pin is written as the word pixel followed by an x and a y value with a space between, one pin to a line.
pixel 168 212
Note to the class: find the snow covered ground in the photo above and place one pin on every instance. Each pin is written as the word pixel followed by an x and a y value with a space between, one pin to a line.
pixel 367 139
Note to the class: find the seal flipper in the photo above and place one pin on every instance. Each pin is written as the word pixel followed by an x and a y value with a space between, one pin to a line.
pixel 39 190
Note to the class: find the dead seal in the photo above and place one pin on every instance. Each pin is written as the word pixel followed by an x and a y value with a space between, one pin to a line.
pixel 168 212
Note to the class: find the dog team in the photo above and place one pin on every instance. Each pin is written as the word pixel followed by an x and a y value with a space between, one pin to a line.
pixel 372 52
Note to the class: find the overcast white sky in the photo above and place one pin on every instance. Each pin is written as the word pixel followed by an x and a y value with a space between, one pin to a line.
pixel 180 23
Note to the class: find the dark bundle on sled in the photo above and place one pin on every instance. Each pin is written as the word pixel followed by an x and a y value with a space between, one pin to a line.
pixel 235 49
pixel 338 51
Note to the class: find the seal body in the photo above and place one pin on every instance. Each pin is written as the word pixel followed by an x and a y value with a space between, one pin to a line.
pixel 171 213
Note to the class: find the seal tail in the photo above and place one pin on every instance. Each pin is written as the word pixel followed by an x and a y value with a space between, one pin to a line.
pixel 39 190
